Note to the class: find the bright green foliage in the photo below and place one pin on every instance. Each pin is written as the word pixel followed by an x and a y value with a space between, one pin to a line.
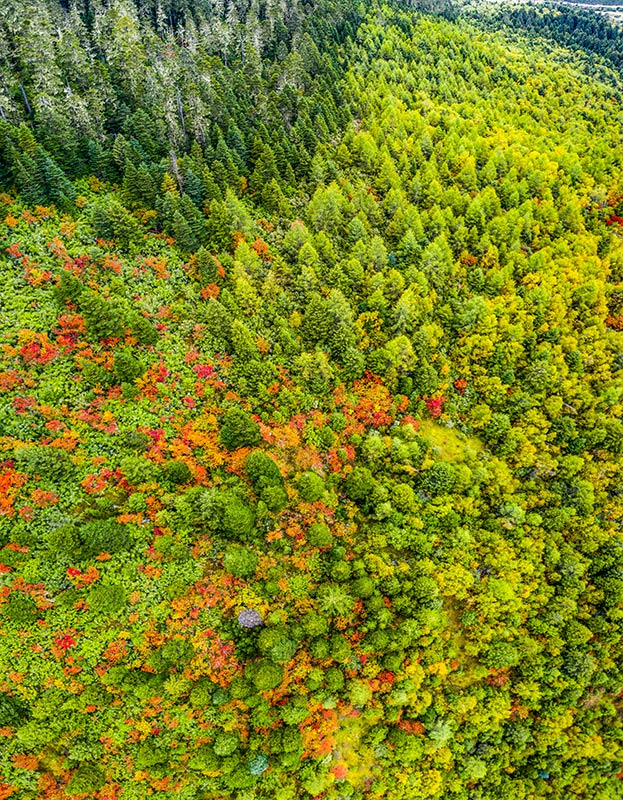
pixel 240 561
pixel 319 535
pixel 266 675
pixel 334 600
pixel 225 744
pixel 310 487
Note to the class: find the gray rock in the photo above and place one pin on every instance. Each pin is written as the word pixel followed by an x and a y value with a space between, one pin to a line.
pixel 249 618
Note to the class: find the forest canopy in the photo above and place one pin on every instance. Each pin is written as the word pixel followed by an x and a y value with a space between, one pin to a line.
pixel 310 401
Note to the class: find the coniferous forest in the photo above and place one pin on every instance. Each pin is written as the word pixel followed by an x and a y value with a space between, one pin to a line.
pixel 310 401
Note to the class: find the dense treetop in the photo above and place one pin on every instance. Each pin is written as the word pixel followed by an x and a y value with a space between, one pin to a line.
pixel 310 405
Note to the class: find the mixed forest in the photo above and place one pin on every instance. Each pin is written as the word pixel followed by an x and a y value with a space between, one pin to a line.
pixel 310 401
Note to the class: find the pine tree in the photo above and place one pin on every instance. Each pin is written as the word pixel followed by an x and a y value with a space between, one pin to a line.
pixel 196 153
pixel 130 185
pixel 237 146
pixel 206 266
pixel 316 327
pixel 218 322
pixel 183 234
pixel 195 219
pixel 167 206
pixel 219 227
pixel 273 200
pixel 211 189
pixel 265 171
pixel 283 166
pixel 193 187
pixel 54 185
pixel 260 139
pixel 219 174
pixel 146 186
pixel 243 342
pixel 26 141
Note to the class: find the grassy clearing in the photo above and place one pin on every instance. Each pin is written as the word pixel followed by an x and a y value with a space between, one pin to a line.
pixel 450 444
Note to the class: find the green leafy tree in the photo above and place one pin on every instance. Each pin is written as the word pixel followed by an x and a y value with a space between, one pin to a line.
pixel 238 429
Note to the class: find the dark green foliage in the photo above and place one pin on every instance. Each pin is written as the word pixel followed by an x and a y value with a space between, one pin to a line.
pixel 142 328
pixel 126 366
pixel 177 472
pixel 578 665
pixel 135 441
pixel 48 462
pixel 274 642
pixel 107 599
pixel 21 609
pixel 104 536
pixel 67 288
pixel 572 27
pixel 219 232
pixel 103 318
pixel 86 779
pixel 172 656
pixel 262 471
pixel 201 693
pixel 12 710
pixel 138 469
pixel 275 498
pixel 502 654
pixel 439 479
pixel 225 744
pixel 238 429
pixel 150 756
pixel 238 519
pixel 95 375
pixel 359 484
pixel 498 428
pixel 363 587
pixel 113 221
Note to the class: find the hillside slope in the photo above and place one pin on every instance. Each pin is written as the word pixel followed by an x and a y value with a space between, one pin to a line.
pixel 310 409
